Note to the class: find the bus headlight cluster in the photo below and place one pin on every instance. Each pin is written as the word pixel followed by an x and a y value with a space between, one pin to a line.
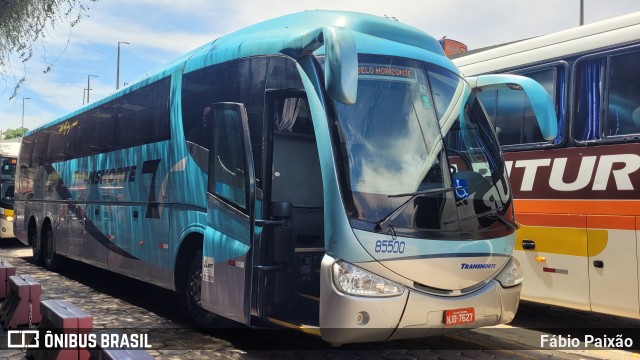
pixel 9 218
pixel 511 275
pixel 353 280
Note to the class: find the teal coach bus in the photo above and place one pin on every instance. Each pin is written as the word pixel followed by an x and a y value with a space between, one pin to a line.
pixel 325 171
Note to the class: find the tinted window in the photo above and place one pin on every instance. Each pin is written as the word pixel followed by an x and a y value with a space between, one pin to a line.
pixel 227 160
pixel 138 118
pixel 95 131
pixel 26 150
pixel 623 110
pixel 511 111
pixel 40 147
pixel 143 116
pixel 62 141
pixel 588 100
pixel 242 81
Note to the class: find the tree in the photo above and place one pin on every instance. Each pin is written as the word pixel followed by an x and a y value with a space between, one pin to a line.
pixel 14 133
pixel 22 25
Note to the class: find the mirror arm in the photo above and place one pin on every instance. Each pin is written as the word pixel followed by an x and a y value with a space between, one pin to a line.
pixel 341 59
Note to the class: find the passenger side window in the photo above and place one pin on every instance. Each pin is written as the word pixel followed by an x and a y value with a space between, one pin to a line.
pixel 40 148
pixel 143 115
pixel 588 99
pixel 227 158
pixel 623 105
pixel 515 123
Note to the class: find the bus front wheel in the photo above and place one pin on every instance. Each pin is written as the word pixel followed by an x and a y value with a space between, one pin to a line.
pixel 51 259
pixel 36 245
pixel 191 296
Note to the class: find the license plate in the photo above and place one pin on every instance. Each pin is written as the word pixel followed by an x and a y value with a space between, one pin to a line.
pixel 459 316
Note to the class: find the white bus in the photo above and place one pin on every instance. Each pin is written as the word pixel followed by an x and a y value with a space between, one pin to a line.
pixel 8 160
pixel 577 197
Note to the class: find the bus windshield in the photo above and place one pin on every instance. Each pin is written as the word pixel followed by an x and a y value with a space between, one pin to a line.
pixel 420 154
pixel 7 169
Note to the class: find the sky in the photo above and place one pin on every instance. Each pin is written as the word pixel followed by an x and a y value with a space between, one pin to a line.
pixel 160 30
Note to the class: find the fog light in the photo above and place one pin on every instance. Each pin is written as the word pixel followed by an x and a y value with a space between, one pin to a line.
pixel 362 318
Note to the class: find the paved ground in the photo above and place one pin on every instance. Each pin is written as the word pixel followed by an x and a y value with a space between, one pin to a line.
pixel 117 302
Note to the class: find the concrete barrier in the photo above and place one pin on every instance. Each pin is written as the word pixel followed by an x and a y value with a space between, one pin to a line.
pixel 6 270
pixel 22 305
pixel 62 317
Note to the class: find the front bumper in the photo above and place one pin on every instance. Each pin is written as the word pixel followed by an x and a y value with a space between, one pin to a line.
pixel 6 229
pixel 413 314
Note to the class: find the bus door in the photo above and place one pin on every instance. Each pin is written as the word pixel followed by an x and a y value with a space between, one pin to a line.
pixel 292 249
pixel 226 261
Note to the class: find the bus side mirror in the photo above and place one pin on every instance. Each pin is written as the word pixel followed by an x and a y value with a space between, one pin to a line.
pixel 538 97
pixel 340 62
pixel 341 65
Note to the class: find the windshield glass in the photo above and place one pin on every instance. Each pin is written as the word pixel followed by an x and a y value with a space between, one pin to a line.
pixel 7 169
pixel 419 154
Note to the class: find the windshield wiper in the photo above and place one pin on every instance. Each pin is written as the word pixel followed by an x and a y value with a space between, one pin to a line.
pixel 384 222
pixel 494 212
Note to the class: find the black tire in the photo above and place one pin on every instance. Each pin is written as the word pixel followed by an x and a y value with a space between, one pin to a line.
pixel 190 294
pixel 51 259
pixel 36 246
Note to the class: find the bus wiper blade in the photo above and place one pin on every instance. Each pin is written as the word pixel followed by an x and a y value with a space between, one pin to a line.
pixel 384 222
pixel 496 213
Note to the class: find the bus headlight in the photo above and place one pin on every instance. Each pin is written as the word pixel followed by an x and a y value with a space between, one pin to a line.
pixel 353 280
pixel 9 218
pixel 511 275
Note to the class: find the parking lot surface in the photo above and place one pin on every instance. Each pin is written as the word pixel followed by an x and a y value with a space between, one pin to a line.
pixel 118 302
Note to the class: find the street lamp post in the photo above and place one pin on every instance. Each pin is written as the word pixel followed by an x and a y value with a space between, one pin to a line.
pixel 89 85
pixel 22 126
pixel 581 12
pixel 118 66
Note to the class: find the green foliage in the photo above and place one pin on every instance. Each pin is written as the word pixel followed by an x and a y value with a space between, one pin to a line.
pixel 14 133
pixel 22 25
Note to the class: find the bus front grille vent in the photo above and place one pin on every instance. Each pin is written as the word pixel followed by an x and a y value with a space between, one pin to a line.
pixel 442 292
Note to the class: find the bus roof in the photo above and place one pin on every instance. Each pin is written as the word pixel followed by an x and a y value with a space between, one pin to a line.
pixel 9 148
pixel 618 30
pixel 373 35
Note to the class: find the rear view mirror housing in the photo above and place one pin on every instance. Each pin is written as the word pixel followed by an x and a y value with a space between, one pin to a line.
pixel 341 59
pixel 541 103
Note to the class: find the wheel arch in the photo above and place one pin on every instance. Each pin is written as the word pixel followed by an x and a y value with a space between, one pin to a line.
pixel 191 239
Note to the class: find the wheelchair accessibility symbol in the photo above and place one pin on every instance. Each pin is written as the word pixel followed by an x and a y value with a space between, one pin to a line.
pixel 462 191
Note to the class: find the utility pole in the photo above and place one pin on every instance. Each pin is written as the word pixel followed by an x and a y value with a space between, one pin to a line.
pixel 581 12
pixel 22 126
pixel 118 66
pixel 89 85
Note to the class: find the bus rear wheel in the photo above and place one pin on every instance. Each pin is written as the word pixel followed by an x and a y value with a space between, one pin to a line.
pixel 191 297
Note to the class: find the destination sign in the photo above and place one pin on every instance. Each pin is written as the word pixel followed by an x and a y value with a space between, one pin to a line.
pixel 386 72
